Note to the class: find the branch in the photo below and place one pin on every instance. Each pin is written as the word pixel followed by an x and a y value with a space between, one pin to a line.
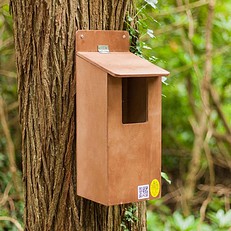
pixel 10 146
pixel 190 21
pixel 184 8
pixel 5 195
pixel 219 51
pixel 211 176
pixel 222 137
pixel 194 165
pixel 225 159
pixel 216 103
pixel 14 221
pixel 218 189
pixel 8 74
pixel 206 82
pixel 3 2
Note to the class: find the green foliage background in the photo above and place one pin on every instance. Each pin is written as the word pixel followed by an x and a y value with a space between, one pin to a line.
pixel 11 198
pixel 171 35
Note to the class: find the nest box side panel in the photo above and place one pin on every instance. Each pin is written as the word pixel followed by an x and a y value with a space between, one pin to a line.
pixel 154 113
pixel 91 132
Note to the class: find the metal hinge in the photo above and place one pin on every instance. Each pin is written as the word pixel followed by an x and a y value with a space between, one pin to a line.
pixel 103 49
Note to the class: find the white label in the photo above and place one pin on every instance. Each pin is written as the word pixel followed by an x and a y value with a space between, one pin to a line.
pixel 143 191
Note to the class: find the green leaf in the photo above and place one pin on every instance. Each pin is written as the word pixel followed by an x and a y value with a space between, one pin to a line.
pixel 150 33
pixel 152 3
pixel 165 176
pixel 164 79
pixel 226 220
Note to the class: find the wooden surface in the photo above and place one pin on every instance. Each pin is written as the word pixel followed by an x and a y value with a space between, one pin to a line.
pixel 134 149
pixel 114 158
pixel 123 64
pixel 91 132
pixel 88 40
pixel 119 62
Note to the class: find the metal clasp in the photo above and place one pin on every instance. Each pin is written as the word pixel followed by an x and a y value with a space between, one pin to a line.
pixel 103 49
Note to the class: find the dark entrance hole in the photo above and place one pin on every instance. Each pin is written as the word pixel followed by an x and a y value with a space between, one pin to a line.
pixel 134 100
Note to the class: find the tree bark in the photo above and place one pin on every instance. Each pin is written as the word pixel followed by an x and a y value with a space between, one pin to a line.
pixel 44 34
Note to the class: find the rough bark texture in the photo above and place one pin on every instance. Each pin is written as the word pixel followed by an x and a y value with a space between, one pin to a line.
pixel 44 39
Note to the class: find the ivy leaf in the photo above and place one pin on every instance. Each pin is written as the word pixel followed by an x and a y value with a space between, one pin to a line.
pixel 150 33
pixel 152 3
pixel 165 176
pixel 129 18
pixel 164 79
pixel 147 47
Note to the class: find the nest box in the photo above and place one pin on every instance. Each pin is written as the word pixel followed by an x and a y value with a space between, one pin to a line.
pixel 118 120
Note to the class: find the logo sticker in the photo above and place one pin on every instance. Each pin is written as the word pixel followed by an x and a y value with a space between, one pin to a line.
pixel 155 188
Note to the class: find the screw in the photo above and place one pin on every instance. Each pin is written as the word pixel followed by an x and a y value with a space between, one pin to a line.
pixel 124 36
pixel 81 36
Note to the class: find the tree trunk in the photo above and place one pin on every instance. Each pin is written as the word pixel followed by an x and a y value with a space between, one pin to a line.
pixel 44 39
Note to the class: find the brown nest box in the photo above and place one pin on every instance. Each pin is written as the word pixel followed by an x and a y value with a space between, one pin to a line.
pixel 118 120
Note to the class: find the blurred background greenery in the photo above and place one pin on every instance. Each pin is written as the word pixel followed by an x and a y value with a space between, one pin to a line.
pixel 196 114
pixel 192 40
pixel 11 198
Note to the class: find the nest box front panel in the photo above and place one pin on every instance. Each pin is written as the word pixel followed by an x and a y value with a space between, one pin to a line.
pixel 134 148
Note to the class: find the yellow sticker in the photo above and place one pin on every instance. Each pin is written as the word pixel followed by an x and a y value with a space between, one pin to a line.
pixel 155 188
